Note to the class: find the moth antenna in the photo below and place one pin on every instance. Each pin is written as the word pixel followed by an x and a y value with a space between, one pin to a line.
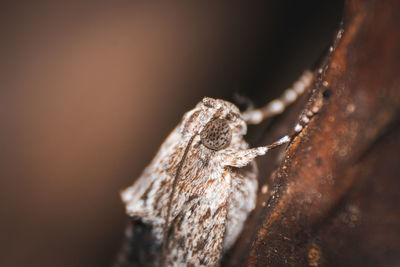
pixel 278 105
pixel 304 119
pixel 243 100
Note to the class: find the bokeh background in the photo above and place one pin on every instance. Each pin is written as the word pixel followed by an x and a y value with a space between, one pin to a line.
pixel 88 91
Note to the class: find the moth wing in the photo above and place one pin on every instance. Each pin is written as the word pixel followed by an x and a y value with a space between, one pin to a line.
pixel 146 198
pixel 241 201
pixel 196 233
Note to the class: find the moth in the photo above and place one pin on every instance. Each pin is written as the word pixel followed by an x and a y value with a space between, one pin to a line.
pixel 194 197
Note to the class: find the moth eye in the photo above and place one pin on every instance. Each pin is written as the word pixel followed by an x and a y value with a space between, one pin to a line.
pixel 216 134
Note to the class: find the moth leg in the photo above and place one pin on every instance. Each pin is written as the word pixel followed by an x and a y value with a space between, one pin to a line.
pixel 242 158
pixel 278 105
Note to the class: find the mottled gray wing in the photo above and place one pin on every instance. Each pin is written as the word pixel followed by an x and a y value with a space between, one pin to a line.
pixel 196 234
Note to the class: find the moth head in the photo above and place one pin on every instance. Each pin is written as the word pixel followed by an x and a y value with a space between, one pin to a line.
pixel 218 122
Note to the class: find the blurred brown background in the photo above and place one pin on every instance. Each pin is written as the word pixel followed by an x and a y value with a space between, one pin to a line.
pixel 90 90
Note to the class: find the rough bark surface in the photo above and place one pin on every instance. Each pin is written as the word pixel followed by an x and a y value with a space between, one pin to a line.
pixel 334 200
